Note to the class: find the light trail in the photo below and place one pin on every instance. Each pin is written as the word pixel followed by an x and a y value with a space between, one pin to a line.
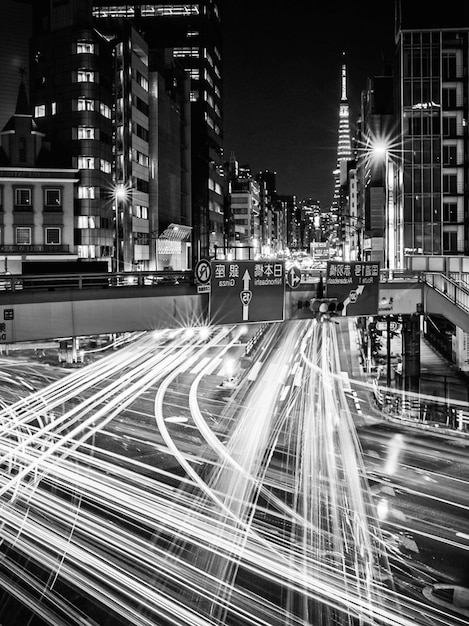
pixel 148 552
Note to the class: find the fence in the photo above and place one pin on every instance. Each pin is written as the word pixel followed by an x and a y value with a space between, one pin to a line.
pixel 427 413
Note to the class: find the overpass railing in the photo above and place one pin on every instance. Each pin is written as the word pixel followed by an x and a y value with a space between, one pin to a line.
pixel 454 290
pixel 52 282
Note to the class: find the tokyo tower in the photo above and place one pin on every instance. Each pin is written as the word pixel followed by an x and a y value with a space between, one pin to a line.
pixel 344 150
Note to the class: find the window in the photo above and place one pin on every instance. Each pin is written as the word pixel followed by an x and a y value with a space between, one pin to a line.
pixel 85 104
pixel 450 212
pixel 85 163
pixel 140 158
pixel 85 76
pixel 87 221
pixel 105 166
pixel 450 183
pixel 449 126
pixel 449 65
pixel 85 47
pixel 105 110
pixel 448 98
pixel 23 236
pixel 86 132
pixel 449 155
pixel 40 110
pixel 141 211
pixel 53 236
pixel 53 108
pixel 87 193
pixel 22 196
pixel 87 252
pixel 141 80
pixel 52 197
pixel 450 241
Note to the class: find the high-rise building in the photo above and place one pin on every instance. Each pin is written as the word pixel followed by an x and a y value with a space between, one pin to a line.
pixel 71 86
pixel 193 32
pixel 432 208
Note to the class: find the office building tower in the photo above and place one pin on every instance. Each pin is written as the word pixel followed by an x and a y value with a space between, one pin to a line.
pixel 193 33
pixel 71 86
pixel 433 153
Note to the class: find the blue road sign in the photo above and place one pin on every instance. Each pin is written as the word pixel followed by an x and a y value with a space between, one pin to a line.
pixel 247 291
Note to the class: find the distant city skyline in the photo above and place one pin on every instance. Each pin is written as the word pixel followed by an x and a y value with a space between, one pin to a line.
pixel 282 71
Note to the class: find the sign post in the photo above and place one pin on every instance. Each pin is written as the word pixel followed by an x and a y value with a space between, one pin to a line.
pixel 247 291
pixel 355 285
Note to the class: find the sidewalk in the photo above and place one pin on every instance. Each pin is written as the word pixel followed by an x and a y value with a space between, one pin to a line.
pixel 442 401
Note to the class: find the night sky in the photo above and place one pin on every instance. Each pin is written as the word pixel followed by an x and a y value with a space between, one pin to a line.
pixel 282 66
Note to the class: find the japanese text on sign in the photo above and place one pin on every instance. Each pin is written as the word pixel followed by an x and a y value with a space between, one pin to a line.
pixel 264 274
pixel 358 273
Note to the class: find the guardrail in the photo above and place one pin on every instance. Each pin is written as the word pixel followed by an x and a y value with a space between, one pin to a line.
pixel 53 282
pixel 456 292
pixel 409 409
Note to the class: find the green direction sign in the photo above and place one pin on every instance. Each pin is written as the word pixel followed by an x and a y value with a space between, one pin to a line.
pixel 247 291
pixel 355 284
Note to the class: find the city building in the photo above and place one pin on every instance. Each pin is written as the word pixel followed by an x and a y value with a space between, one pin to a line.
pixel 36 195
pixel 243 235
pixel 433 114
pixel 71 86
pixel 193 33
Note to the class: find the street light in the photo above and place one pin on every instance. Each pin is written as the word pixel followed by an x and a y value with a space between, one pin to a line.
pixel 380 150
pixel 121 194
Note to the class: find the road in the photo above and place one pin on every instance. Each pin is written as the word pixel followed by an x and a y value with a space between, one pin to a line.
pixel 165 484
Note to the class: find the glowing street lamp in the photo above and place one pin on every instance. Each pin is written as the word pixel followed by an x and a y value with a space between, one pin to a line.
pixel 382 151
pixel 121 195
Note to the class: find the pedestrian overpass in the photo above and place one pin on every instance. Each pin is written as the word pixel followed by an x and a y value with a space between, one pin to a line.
pixel 52 307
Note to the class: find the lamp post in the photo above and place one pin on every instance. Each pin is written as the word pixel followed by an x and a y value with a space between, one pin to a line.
pixel 383 151
pixel 121 194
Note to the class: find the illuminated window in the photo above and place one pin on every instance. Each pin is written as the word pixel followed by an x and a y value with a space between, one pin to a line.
pixel 85 104
pixel 141 211
pixel 40 110
pixel 105 166
pixel 85 76
pixel 105 110
pixel 86 221
pixel 85 163
pixel 87 252
pixel 87 193
pixel 53 108
pixel 53 236
pixel 186 51
pixel 85 47
pixel 23 236
pixel 85 132
pixel 141 80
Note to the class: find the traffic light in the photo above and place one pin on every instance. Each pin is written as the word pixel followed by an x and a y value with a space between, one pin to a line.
pixel 326 306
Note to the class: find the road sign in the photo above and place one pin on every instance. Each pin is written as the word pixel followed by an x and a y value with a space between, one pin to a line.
pixel 355 284
pixel 247 291
pixel 320 250
pixel 203 272
pixel 293 277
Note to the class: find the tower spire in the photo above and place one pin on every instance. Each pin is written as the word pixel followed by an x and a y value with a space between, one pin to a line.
pixel 344 149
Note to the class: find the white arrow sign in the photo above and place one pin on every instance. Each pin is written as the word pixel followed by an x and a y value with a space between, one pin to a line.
pixel 246 295
pixel 352 297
